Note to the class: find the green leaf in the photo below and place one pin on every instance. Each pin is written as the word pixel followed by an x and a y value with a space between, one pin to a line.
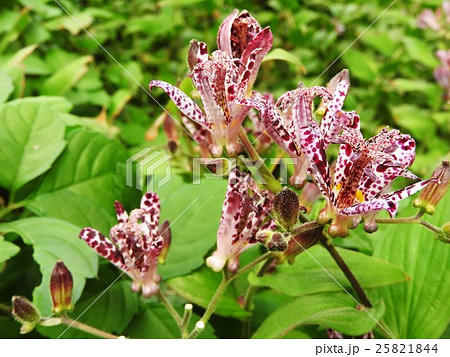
pixel 336 310
pixel 381 41
pixel 52 240
pixel 418 308
pixel 112 312
pixel 361 65
pixel 83 176
pixel 199 288
pixel 194 229
pixel 154 321
pixel 7 250
pixel 305 276
pixel 413 118
pixel 420 51
pixel 283 55
pixel 26 151
pixel 66 77
pixel 7 86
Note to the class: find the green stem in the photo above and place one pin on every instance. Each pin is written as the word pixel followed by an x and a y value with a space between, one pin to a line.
pixel 11 207
pixel 226 280
pixel 251 265
pixel 217 295
pixel 5 309
pixel 86 328
pixel 345 269
pixel 272 184
pixel 247 325
pixel 170 308
pixel 185 320
pixel 412 219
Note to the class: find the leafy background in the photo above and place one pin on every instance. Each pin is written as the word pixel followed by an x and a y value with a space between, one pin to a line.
pixel 70 116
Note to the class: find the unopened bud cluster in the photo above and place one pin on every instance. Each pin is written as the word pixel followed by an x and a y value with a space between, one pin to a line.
pixel 434 192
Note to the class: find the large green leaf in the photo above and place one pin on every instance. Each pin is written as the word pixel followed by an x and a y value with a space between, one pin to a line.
pixel 52 240
pixel 26 151
pixel 81 186
pixel 194 229
pixel 418 308
pixel 109 311
pixel 154 321
pixel 334 310
pixel 199 288
pixel 66 77
pixel 7 250
pixel 305 276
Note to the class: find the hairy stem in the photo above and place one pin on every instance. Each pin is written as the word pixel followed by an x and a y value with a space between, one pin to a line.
pixel 247 324
pixel 346 270
pixel 251 265
pixel 170 308
pixel 217 295
pixel 86 328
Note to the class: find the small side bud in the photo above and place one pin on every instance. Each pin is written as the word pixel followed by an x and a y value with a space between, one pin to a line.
pixel 444 236
pixel 165 232
pixel 25 312
pixel 286 207
pixel 61 287
pixel 431 195
pixel 274 241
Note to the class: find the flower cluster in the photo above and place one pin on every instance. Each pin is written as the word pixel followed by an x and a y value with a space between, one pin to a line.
pixel 246 210
pixel 136 243
pixel 222 80
pixel 358 187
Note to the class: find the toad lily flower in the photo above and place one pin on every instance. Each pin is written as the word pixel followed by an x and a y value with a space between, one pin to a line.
pixel 221 81
pixel 294 110
pixel 241 37
pixel 136 243
pixel 245 209
pixel 364 168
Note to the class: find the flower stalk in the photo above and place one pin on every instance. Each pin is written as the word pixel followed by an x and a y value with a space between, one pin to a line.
pixel 345 269
pixel 86 328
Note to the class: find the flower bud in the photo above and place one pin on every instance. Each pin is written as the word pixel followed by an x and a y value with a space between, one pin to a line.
pixel 274 241
pixel 25 313
pixel 431 195
pixel 444 236
pixel 303 238
pixel 171 133
pixel 165 232
pixel 61 287
pixel 286 207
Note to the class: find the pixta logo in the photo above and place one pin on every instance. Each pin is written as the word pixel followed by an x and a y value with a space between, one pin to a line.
pixel 149 166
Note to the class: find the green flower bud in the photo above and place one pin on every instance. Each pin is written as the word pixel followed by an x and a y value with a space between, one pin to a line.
pixel 431 195
pixel 25 312
pixel 286 207
pixel 61 287
pixel 444 236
